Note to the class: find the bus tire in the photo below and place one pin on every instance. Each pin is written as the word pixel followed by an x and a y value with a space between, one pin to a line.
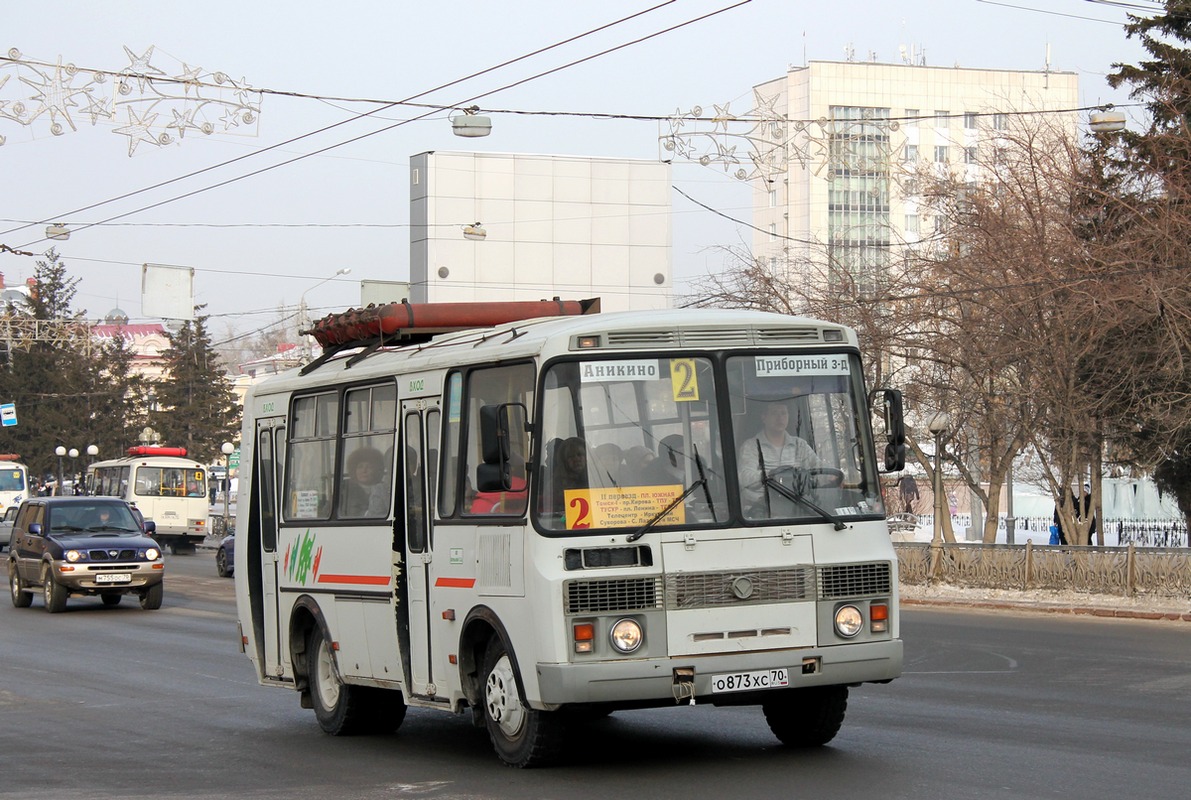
pixel 343 709
pixel 54 593
pixel 151 599
pixel 21 598
pixel 807 717
pixel 521 736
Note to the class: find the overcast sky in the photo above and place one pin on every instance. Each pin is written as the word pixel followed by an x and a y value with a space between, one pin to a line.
pixel 260 242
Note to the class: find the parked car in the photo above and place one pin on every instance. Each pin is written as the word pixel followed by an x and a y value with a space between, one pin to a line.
pixel 92 546
pixel 10 516
pixel 225 556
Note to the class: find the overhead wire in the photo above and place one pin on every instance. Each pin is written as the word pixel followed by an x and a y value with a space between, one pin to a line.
pixel 389 127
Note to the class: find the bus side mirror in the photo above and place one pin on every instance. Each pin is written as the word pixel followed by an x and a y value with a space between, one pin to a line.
pixel 502 439
pixel 895 429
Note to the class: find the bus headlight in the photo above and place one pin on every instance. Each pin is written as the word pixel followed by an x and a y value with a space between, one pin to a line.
pixel 848 621
pixel 626 635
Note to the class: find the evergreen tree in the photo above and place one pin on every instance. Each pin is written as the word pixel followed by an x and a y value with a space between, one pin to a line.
pixel 196 407
pixel 50 376
pixel 1160 160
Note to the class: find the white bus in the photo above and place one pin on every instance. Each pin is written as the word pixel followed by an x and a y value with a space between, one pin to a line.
pixel 14 481
pixel 543 520
pixel 165 486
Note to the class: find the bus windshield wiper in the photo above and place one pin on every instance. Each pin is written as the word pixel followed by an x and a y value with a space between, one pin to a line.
pixel 700 481
pixel 797 497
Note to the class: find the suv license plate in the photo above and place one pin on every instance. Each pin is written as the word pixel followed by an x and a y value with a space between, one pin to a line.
pixel 113 577
pixel 749 681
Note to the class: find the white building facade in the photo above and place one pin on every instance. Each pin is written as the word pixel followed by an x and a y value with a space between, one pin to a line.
pixel 491 226
pixel 836 186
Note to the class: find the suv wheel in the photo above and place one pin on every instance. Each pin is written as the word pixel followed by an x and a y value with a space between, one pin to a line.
pixel 151 599
pixel 55 593
pixel 20 597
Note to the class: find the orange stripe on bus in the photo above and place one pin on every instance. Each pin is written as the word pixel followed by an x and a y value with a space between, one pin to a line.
pixel 371 580
pixel 456 583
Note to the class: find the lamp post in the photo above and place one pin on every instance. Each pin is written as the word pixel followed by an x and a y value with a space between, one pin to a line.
pixel 92 452
pixel 303 319
pixel 938 428
pixel 73 453
pixel 227 448
pixel 59 451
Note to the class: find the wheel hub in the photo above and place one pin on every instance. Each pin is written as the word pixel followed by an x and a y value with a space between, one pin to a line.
pixel 501 698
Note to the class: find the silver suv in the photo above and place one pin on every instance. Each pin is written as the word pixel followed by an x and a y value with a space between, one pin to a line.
pixel 91 546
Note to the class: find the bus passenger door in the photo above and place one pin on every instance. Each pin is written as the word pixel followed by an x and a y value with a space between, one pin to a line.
pixel 270 454
pixel 420 420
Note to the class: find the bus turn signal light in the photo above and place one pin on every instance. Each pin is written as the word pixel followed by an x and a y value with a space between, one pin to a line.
pixel 584 637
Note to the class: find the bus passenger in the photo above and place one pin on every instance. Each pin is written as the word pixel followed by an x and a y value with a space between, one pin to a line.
pixel 569 471
pixel 363 494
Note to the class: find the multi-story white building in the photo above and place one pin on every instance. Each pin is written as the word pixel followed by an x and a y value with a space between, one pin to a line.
pixel 836 182
pixel 498 226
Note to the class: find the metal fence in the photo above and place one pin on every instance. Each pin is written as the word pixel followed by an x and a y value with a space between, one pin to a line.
pixel 1118 532
pixel 1125 571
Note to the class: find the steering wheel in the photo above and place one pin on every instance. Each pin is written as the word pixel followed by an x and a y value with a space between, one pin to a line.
pixel 815 477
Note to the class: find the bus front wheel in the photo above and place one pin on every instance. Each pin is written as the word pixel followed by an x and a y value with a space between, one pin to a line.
pixel 521 736
pixel 343 709
pixel 807 717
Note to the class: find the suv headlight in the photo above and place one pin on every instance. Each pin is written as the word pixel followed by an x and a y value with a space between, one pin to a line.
pixel 152 554
pixel 73 555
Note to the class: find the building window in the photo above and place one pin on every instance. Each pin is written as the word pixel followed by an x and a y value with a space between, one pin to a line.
pixel 970 120
pixel 911 154
pixel 942 156
pixel 773 198
pixel 1000 122
pixel 773 231
pixel 942 119
pixel 912 115
pixel 969 155
pixel 912 224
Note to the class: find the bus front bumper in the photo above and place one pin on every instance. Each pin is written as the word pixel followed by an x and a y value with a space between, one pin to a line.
pixel 647 680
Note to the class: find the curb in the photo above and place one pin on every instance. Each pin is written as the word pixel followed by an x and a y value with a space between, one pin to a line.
pixel 1116 613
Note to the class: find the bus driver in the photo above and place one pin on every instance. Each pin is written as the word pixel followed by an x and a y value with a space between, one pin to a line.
pixel 773 447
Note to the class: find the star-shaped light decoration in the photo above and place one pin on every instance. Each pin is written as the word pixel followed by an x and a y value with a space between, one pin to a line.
pixel 138 130
pixel 182 121
pixel 140 68
pixel 54 95
pixel 189 76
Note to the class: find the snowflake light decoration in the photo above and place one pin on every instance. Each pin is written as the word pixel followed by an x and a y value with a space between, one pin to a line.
pixel 771 140
pixel 140 101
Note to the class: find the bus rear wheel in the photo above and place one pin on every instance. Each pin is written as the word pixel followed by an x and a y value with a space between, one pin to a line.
pixel 522 736
pixel 807 717
pixel 343 709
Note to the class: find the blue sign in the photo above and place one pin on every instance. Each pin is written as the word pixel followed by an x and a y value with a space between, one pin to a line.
pixel 8 415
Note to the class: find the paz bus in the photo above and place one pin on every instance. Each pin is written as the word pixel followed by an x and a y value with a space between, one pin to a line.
pixel 14 481
pixel 537 513
pixel 165 485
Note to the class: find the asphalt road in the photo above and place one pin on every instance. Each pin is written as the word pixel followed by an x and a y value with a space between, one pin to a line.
pixel 124 703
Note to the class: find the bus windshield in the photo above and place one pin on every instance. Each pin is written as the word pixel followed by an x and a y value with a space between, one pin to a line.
pixel 800 432
pixel 637 442
pixel 12 480
pixel 624 439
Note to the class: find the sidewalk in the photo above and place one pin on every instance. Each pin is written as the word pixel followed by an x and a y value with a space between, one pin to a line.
pixel 1172 609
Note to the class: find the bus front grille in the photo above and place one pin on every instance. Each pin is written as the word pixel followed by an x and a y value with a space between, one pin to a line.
pixel 854 580
pixel 686 590
pixel 613 595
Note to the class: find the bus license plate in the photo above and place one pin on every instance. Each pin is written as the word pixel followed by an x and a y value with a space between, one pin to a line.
pixel 749 681
pixel 113 577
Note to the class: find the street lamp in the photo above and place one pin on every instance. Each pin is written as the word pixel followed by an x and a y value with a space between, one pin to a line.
pixel 92 452
pixel 938 427
pixel 73 453
pixel 227 448
pixel 59 451
pixel 303 319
